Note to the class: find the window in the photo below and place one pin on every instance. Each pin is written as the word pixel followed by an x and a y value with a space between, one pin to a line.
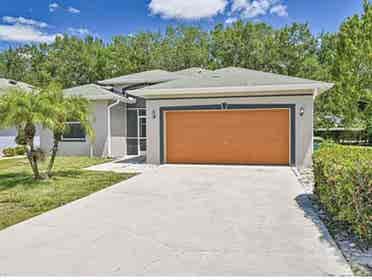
pixel 74 132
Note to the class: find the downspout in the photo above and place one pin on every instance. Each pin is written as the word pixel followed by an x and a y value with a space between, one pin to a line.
pixel 316 93
pixel 109 126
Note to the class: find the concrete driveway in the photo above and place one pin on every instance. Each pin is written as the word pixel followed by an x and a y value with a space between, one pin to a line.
pixel 179 220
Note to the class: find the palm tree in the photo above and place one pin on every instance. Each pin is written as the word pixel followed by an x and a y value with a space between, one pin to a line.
pixel 21 109
pixel 57 110
pixel 48 108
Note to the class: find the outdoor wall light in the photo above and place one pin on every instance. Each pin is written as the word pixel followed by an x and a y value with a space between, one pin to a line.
pixel 302 111
pixel 153 114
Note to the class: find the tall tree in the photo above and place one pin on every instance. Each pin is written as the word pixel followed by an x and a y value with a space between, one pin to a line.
pixel 351 69
pixel 343 57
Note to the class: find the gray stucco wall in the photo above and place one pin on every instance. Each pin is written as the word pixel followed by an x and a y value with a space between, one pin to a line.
pixel 99 146
pixel 304 124
pixel 10 132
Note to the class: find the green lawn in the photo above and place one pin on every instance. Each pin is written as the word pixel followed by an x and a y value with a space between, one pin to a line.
pixel 22 198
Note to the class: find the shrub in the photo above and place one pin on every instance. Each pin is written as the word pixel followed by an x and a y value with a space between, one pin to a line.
pixel 343 185
pixel 20 150
pixel 9 152
pixel 17 151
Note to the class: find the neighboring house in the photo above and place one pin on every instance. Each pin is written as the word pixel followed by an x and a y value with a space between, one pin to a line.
pixel 7 136
pixel 227 116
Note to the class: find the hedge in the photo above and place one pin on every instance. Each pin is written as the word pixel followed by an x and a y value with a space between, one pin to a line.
pixel 343 185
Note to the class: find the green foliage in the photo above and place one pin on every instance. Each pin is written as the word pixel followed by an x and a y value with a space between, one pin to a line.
pixel 22 109
pixel 21 137
pixel 58 109
pixel 343 184
pixel 72 61
pixel 344 58
pixel 20 150
pixel 18 108
pixel 48 108
pixel 16 151
pixel 9 152
pixel 348 58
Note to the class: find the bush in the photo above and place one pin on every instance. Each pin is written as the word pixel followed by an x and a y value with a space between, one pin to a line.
pixel 9 152
pixel 20 150
pixel 17 151
pixel 343 185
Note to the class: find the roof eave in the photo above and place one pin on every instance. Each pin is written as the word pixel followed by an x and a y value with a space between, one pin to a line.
pixel 130 82
pixel 315 89
pixel 112 96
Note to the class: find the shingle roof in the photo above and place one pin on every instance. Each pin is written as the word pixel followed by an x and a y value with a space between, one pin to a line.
pixel 93 92
pixel 235 76
pixel 192 71
pixel 152 77
pixel 147 77
pixel 231 78
pixel 6 84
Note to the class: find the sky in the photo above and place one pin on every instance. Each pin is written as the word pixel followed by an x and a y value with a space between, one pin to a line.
pixel 35 21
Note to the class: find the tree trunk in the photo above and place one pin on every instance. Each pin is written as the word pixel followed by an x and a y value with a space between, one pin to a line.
pixel 36 166
pixel 30 131
pixel 29 157
pixel 33 161
pixel 53 156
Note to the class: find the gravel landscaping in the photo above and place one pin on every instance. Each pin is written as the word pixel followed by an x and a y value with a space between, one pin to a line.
pixel 356 252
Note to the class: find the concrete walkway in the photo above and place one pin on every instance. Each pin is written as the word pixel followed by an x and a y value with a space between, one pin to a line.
pixel 179 220
pixel 131 164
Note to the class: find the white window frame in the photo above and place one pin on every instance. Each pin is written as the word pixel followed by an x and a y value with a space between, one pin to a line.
pixel 63 139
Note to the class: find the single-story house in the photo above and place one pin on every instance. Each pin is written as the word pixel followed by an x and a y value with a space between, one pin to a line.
pixel 7 136
pixel 227 116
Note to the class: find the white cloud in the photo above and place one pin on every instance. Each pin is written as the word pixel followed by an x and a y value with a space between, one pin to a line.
pixel 231 20
pixel 199 9
pixel 256 8
pixel 79 31
pixel 251 9
pixel 279 10
pixel 24 33
pixel 73 10
pixel 25 21
pixel 187 9
pixel 53 6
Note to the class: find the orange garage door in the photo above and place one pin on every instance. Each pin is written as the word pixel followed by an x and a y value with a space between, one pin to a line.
pixel 228 137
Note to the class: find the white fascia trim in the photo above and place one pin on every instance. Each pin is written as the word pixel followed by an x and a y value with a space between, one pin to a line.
pixel 112 96
pixel 226 91
pixel 128 100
